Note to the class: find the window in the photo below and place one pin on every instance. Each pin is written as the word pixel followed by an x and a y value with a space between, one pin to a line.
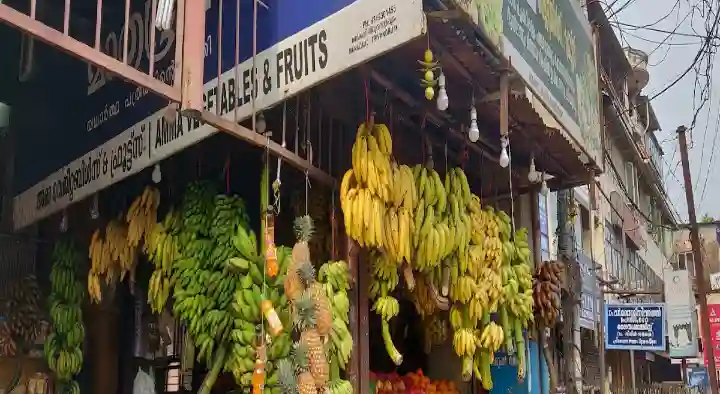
pixel 631 184
pixel 613 255
pixel 686 261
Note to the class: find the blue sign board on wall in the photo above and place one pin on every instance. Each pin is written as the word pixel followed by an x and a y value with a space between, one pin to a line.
pixel 115 129
pixel 635 327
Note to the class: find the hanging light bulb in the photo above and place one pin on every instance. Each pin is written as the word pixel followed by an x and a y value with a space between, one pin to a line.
pixel 157 174
pixel 544 188
pixel 442 99
pixel 474 132
pixel 260 124
pixel 94 207
pixel 532 174
pixel 64 222
pixel 504 158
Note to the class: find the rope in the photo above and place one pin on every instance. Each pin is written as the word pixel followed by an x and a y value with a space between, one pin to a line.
pixel 267 141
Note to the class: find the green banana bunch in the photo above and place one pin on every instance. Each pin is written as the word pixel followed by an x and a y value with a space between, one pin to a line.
pixel 340 386
pixel 63 344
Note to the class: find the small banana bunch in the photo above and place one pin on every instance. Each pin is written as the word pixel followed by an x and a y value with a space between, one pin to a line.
pixel 163 249
pixel 547 287
pixel 340 386
pixel 465 342
pixel 492 337
pixel 111 257
pixel 23 309
pixel 333 276
pixel 142 215
pixel 8 347
pixel 384 279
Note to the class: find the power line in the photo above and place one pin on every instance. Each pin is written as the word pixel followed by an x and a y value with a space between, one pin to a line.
pixel 674 33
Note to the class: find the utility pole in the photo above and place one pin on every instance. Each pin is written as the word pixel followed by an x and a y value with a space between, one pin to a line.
pixel 570 315
pixel 702 285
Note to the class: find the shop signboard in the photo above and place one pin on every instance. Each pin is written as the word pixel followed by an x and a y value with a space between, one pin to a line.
pixel 681 321
pixel 121 128
pixel 551 46
pixel 635 327
pixel 589 293
pixel 714 321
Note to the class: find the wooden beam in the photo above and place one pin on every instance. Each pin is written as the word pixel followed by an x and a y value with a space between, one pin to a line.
pixel 256 139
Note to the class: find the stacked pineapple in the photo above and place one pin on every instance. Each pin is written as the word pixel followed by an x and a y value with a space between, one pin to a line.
pixel 307 370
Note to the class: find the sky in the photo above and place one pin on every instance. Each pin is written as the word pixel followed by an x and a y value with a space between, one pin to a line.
pixel 670 56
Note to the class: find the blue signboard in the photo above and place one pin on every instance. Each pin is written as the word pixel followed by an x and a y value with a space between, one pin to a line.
pixel 635 327
pixel 115 129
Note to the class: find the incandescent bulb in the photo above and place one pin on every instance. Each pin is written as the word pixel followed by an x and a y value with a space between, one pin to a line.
pixel 156 174
pixel 544 189
pixel 442 99
pixel 474 132
pixel 532 174
pixel 504 158
pixel 260 124
pixel 94 208
pixel 64 222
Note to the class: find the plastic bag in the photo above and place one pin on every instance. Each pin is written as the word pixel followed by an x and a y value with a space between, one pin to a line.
pixel 144 383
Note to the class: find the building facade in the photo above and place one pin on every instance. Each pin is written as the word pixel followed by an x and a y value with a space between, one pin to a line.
pixel 621 231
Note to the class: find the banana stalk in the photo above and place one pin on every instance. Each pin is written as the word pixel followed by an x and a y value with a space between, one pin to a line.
pixel 520 345
pixel 394 354
pixel 212 375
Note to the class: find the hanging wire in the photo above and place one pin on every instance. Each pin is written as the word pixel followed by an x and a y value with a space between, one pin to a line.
pixel 277 183
pixel 510 182
pixel 267 143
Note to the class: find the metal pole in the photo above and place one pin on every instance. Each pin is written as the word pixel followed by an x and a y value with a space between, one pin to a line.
pixel 566 249
pixel 700 281
pixel 625 264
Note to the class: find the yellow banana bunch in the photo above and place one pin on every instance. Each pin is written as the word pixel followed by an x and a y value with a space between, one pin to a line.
pixel 492 337
pixel 463 289
pixel 142 215
pixel 464 342
pixel 371 161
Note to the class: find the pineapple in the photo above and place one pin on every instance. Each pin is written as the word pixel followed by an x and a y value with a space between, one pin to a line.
pixel 300 255
pixel 304 230
pixel 306 272
pixel 306 383
pixel 319 367
pixel 305 380
pixel 304 310
pixel 292 284
pixel 323 312
pixel 286 377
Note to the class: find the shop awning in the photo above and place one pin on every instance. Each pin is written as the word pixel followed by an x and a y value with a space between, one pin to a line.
pixel 566 128
pixel 532 132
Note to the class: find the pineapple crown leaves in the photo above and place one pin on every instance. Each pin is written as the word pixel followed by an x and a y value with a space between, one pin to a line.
pixel 299 355
pixel 304 308
pixel 304 228
pixel 286 376
pixel 306 271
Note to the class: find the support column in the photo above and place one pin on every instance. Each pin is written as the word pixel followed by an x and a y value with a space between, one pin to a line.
pixel 570 313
